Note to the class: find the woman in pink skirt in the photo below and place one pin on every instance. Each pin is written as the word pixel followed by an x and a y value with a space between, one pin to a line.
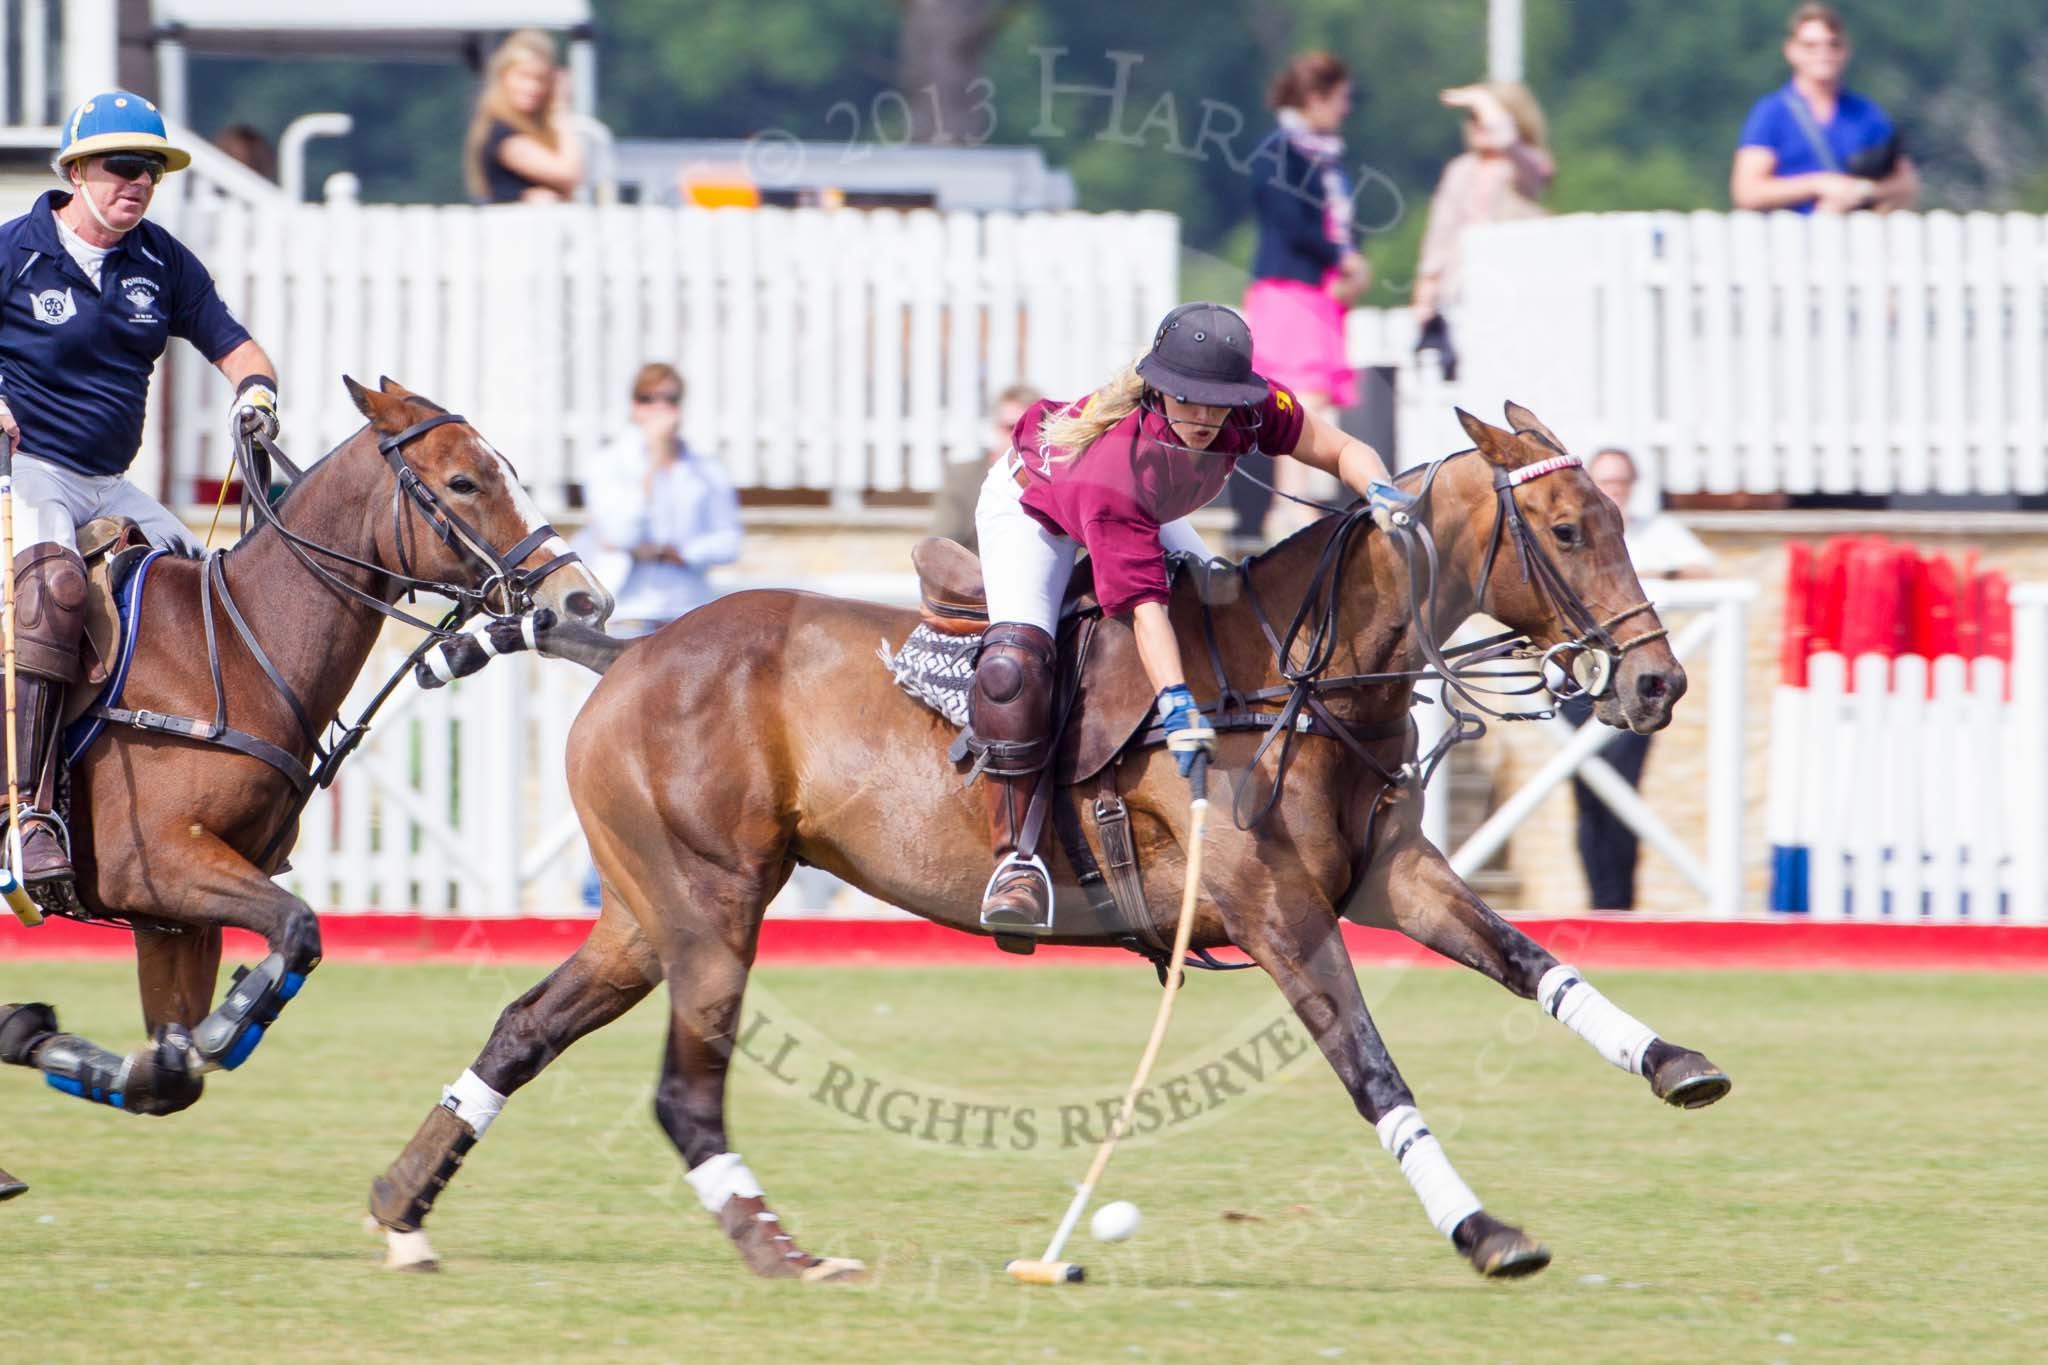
pixel 1305 272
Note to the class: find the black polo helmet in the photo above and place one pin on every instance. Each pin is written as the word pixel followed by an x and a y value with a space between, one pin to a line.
pixel 1202 353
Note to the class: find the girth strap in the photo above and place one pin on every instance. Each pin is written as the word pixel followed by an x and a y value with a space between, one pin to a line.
pixel 185 727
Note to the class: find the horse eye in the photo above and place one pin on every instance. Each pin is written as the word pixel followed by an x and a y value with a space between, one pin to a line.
pixel 1566 533
pixel 462 483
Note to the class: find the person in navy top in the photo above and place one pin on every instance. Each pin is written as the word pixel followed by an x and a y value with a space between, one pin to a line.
pixel 1815 144
pixel 94 294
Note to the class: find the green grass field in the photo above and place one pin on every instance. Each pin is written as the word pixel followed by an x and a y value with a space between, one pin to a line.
pixel 1872 1189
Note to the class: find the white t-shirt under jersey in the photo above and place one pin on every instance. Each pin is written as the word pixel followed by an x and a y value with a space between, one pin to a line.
pixel 89 257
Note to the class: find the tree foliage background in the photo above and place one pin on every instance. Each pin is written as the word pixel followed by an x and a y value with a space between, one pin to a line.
pixel 1644 101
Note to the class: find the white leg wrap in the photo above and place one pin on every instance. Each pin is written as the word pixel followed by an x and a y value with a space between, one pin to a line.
pixel 475 1103
pixel 721 1177
pixel 1447 1200
pixel 1614 1033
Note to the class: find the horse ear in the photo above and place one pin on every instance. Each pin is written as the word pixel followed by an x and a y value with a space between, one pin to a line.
pixel 1521 419
pixel 360 396
pixel 1496 445
pixel 382 410
pixel 391 386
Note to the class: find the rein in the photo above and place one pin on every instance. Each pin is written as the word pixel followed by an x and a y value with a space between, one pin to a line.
pixel 1313 630
pixel 504 594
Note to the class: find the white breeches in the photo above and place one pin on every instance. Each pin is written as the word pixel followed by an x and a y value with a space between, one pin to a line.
pixel 1024 567
pixel 52 502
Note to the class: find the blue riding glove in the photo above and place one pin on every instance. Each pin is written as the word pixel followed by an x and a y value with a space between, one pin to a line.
pixel 1388 504
pixel 1187 730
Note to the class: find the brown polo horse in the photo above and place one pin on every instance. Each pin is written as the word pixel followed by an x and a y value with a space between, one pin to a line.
pixel 181 838
pixel 759 732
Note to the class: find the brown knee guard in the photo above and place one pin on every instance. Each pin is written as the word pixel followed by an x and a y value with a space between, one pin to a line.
pixel 1010 710
pixel 49 612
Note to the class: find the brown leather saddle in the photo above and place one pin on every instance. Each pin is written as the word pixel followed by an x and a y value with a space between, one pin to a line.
pixel 1100 692
pixel 111 548
pixel 1102 703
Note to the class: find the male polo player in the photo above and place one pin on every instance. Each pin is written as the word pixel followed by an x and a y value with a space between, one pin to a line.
pixel 93 293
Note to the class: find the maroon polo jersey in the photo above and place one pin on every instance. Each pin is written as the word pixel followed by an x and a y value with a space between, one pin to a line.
pixel 1134 478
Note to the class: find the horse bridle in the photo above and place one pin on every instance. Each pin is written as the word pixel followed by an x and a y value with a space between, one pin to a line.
pixel 1306 684
pixel 504 592
pixel 1595 642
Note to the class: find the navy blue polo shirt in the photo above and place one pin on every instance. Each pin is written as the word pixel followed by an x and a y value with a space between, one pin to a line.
pixel 75 361
pixel 1858 123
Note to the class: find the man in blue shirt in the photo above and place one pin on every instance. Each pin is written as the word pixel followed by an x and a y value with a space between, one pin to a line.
pixel 1814 144
pixel 93 295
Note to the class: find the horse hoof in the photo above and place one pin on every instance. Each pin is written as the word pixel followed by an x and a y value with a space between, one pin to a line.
pixel 1687 1080
pixel 10 1186
pixel 831 1268
pixel 409 1251
pixel 1499 1251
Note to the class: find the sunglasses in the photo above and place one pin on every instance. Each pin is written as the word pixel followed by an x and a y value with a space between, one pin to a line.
pixel 134 165
pixel 667 399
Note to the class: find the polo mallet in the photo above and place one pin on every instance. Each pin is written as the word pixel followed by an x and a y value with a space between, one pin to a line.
pixel 10 876
pixel 1049 1268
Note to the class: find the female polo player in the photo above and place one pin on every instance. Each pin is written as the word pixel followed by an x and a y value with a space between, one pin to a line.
pixel 1117 472
pixel 94 294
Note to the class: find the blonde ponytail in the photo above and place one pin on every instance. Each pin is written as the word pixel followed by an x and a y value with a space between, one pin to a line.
pixel 1073 431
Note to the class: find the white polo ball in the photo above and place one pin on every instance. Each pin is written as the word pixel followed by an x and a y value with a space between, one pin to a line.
pixel 1115 1221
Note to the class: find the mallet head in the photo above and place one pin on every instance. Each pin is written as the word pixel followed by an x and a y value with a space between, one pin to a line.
pixel 1046 1272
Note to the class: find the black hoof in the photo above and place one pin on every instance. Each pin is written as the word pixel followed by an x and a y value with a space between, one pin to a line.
pixel 1687 1080
pixel 1497 1250
pixel 10 1186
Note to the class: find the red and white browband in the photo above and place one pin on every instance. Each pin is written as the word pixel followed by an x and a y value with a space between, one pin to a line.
pixel 1542 467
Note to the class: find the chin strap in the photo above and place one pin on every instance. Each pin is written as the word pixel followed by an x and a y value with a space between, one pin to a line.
pixel 92 207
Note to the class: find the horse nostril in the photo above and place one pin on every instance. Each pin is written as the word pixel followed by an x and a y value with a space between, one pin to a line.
pixel 581 605
pixel 1652 686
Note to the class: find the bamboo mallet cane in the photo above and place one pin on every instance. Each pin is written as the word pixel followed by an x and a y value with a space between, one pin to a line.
pixel 1049 1268
pixel 10 876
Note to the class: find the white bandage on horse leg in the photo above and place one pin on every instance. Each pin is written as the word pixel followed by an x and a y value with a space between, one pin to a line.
pixel 1447 1199
pixel 721 1177
pixel 1614 1033
pixel 475 1103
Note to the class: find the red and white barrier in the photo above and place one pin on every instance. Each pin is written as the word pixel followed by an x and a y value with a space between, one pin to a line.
pixel 1902 769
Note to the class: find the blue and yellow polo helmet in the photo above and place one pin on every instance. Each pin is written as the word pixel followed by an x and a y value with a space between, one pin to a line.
pixel 118 121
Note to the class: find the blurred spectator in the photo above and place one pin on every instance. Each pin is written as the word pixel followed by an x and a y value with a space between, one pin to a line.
pixel 247 145
pixel 1660 548
pixel 1815 143
pixel 953 508
pixel 520 148
pixel 1305 271
pixel 1502 174
pixel 660 513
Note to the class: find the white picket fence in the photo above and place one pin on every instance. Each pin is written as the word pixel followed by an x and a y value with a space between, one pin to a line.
pixel 1764 353
pixel 456 802
pixel 1918 789
pixel 824 349
pixel 1909 790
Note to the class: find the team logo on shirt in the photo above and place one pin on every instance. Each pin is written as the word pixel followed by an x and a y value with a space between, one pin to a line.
pixel 141 296
pixel 53 307
pixel 1283 400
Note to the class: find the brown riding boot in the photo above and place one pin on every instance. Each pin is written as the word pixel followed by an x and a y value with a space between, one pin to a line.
pixel 1010 710
pixel 49 623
